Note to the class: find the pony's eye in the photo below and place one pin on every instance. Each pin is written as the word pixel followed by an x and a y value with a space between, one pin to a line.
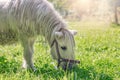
pixel 63 48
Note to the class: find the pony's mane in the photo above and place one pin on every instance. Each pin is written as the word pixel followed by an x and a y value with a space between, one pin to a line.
pixel 33 17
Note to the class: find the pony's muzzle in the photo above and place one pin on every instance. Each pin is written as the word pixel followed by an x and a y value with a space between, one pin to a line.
pixel 68 66
pixel 64 64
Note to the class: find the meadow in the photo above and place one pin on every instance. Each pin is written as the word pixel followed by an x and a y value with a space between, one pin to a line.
pixel 97 48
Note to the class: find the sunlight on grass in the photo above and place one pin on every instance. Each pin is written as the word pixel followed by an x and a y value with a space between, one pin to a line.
pixel 97 47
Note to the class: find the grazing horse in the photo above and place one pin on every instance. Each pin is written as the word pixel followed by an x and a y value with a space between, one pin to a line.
pixel 26 19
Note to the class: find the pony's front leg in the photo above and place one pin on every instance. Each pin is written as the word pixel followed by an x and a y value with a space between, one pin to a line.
pixel 28 53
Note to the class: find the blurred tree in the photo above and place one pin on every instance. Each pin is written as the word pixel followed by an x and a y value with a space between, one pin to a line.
pixel 115 4
pixel 62 6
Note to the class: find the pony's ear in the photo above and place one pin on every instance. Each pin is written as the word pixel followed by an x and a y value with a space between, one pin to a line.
pixel 58 34
pixel 74 32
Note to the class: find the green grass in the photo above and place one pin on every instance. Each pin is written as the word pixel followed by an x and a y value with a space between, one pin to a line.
pixel 97 47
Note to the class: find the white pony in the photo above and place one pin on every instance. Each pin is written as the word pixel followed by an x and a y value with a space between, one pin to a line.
pixel 25 19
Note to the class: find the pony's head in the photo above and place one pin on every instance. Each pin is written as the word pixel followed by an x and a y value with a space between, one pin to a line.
pixel 62 48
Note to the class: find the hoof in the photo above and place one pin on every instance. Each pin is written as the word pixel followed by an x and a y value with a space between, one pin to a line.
pixel 29 68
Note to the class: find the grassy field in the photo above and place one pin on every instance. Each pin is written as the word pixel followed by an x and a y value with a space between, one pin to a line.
pixel 97 47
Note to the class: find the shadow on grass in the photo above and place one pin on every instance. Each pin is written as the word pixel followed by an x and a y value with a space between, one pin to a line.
pixel 75 74
pixel 7 66
pixel 48 72
pixel 89 73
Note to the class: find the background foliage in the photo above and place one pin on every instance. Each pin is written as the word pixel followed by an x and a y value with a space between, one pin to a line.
pixel 105 10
